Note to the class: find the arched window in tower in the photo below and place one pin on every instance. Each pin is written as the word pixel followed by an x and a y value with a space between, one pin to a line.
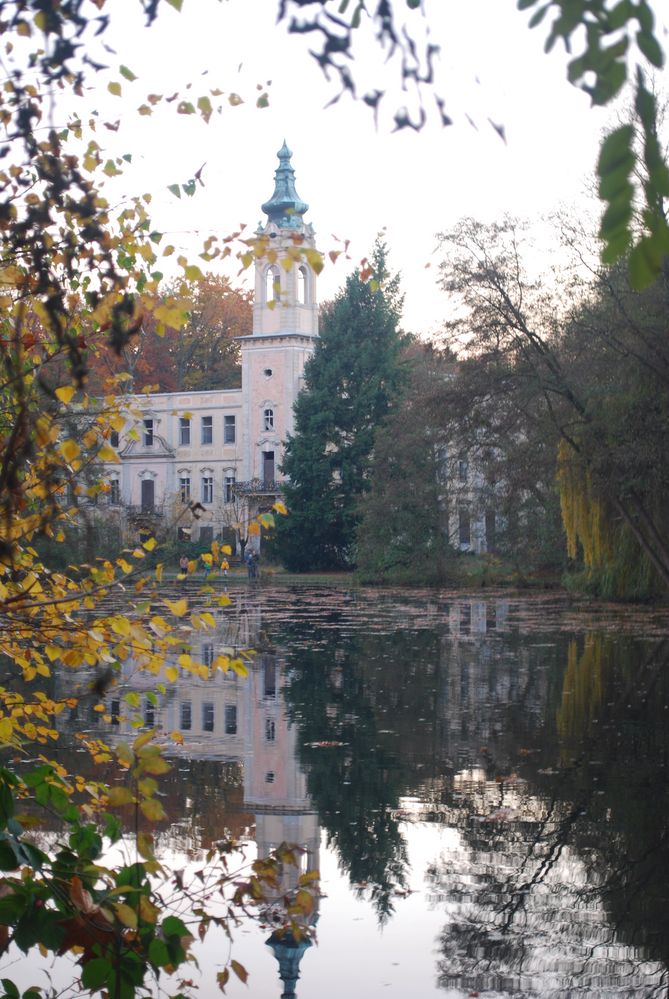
pixel 302 285
pixel 268 419
pixel 272 284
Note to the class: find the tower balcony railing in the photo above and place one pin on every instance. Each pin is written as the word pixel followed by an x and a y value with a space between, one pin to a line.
pixel 259 487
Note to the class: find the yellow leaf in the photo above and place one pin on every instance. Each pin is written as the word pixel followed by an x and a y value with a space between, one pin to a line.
pixel 125 914
pixel 65 393
pixel 120 626
pixel 145 846
pixel 143 739
pixel 149 544
pixel 177 737
pixel 152 809
pixel 159 572
pixel 6 730
pixel 185 661
pixel 280 508
pixel 115 89
pixel 70 450
pixel 125 755
pixel 239 667
pixel 254 528
pixel 172 673
pixel 177 607
pixel 147 910
pixel 120 796
pixel 226 550
pixel 107 453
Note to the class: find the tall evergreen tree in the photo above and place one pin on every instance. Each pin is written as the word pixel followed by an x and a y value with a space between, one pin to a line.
pixel 351 383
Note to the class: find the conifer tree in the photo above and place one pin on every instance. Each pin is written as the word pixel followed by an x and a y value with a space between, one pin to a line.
pixel 351 383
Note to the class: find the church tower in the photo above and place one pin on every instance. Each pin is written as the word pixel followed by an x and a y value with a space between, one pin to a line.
pixel 285 328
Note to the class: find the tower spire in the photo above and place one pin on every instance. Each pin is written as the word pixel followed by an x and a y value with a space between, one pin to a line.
pixel 285 208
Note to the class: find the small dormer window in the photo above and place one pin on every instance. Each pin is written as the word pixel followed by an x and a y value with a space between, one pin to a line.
pixel 268 419
pixel 148 433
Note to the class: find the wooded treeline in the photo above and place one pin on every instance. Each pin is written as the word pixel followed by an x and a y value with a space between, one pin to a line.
pixel 544 410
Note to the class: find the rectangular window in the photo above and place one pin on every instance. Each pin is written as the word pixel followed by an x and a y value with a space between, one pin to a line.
pixel 148 433
pixel 229 488
pixel 207 717
pixel 114 492
pixel 231 719
pixel 270 730
pixel 463 468
pixel 207 430
pixel 268 419
pixel 206 535
pixel 207 489
pixel 464 526
pixel 184 488
pixel 149 714
pixel 115 712
pixel 228 430
pixel 184 430
pixel 269 677
pixel 208 654
pixel 186 719
pixel 114 438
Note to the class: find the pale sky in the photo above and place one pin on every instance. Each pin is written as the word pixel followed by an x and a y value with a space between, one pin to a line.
pixel 356 179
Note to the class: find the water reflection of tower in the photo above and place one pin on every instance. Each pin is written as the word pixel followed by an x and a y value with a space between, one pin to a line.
pixel 275 790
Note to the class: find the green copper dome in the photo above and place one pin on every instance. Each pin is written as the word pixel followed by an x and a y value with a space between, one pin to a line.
pixel 285 208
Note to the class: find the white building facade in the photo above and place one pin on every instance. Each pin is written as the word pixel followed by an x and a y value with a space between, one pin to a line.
pixel 202 462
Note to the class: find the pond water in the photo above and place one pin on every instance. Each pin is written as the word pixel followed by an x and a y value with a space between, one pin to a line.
pixel 482 783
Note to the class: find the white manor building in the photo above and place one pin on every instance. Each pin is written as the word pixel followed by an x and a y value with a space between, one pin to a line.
pixel 220 451
pixel 200 463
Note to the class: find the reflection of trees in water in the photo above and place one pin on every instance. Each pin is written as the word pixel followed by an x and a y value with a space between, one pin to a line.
pixel 374 697
pixel 565 892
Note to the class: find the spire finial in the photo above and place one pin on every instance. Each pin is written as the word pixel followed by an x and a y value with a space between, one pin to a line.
pixel 285 207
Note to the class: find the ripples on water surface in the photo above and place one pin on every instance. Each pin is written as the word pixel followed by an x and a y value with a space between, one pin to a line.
pixel 482 782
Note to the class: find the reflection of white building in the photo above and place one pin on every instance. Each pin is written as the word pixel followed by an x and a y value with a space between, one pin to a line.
pixel 223 448
pixel 234 719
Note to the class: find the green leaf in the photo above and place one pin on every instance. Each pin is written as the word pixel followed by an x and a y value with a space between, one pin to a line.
pixel 172 926
pixel 616 150
pixel 641 267
pixel 127 73
pixel 6 805
pixel 650 47
pixel 174 189
pixel 10 988
pixel 177 4
pixel 11 908
pixel 538 16
pixel 159 955
pixel 620 14
pixel 95 973
pixel 8 858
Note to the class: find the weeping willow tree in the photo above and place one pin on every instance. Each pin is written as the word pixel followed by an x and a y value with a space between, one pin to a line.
pixel 600 538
